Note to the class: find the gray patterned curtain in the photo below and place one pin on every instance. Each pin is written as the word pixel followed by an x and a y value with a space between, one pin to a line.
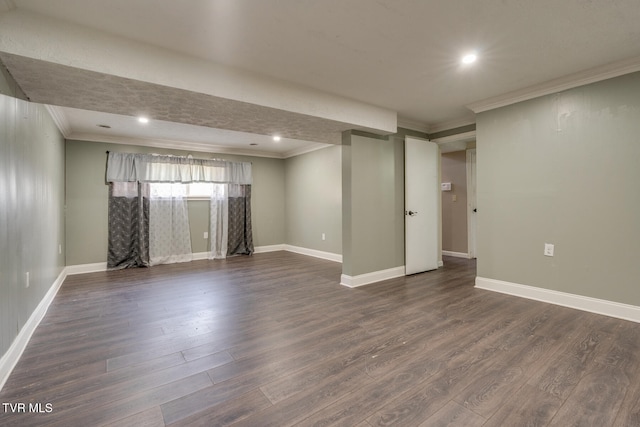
pixel 128 244
pixel 240 237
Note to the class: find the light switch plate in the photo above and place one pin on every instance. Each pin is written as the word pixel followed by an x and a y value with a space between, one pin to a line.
pixel 548 249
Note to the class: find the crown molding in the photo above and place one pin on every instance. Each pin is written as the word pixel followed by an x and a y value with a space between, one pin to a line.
pixel 194 146
pixel 460 137
pixel 173 145
pixel 304 150
pixel 452 124
pixel 413 125
pixel 59 119
pixel 593 75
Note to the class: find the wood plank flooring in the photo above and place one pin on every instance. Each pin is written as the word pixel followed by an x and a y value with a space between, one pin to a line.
pixel 274 340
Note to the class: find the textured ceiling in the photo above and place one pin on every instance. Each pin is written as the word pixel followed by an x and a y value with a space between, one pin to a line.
pixel 398 54
pixel 49 83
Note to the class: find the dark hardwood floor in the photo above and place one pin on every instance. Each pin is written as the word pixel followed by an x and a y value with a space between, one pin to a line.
pixel 274 340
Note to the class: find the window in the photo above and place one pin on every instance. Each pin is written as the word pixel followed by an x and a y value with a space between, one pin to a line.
pixel 200 190
pixel 162 190
pixel 193 190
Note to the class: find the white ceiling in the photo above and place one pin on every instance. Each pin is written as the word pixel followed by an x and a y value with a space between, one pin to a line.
pixel 401 55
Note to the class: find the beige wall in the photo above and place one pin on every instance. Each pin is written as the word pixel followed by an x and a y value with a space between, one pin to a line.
pixel 563 169
pixel 31 210
pixel 87 204
pixel 454 212
pixel 314 200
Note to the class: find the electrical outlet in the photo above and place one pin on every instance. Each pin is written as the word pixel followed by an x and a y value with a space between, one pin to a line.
pixel 205 235
pixel 548 249
pixel 324 237
pixel 26 280
pixel 59 249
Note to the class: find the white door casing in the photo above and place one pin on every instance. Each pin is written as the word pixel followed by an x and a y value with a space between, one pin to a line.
pixel 422 193
pixel 471 203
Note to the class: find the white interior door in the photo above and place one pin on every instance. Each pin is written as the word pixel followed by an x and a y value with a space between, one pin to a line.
pixel 471 202
pixel 422 192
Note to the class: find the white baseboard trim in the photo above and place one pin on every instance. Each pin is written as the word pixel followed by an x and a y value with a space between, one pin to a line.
pixel 579 302
pixel 86 268
pixel 102 266
pixel 455 254
pixel 314 253
pixel 268 248
pixel 256 250
pixel 197 256
pixel 11 357
pixel 368 278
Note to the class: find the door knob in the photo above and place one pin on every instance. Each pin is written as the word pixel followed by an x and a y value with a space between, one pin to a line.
pixel 411 213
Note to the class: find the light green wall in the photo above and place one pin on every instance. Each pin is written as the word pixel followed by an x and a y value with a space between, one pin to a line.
pixel 314 200
pixel 198 224
pixel 31 211
pixel 563 169
pixel 87 198
pixel 373 203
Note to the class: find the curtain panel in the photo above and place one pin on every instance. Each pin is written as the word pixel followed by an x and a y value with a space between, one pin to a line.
pixel 128 240
pixel 169 234
pixel 230 221
pixel 131 167
pixel 219 221
pixel 240 236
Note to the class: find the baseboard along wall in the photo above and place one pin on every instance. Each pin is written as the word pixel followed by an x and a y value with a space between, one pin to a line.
pixel 368 278
pixel 10 359
pixel 579 302
pixel 456 254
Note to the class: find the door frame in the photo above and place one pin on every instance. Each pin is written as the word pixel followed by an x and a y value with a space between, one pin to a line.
pixel 460 142
pixel 472 203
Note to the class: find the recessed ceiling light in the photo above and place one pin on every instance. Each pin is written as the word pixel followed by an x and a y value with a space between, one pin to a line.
pixel 276 138
pixel 469 58
pixel 143 120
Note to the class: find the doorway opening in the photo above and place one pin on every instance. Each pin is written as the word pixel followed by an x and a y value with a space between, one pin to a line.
pixel 458 192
